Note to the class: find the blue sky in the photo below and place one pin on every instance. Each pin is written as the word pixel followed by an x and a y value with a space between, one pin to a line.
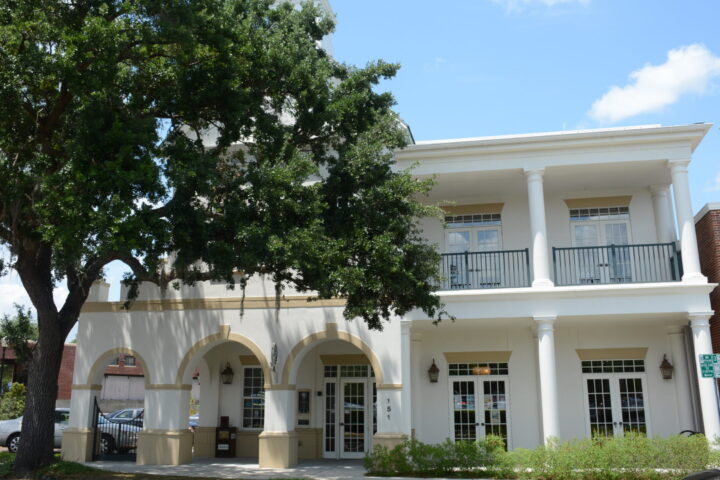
pixel 490 67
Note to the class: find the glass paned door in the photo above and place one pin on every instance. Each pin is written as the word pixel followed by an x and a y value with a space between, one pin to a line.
pixel 458 242
pixel 479 408
pixel 353 433
pixel 606 265
pixel 615 405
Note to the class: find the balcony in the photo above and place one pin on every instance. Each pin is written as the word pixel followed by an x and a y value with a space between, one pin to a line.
pixel 643 263
pixel 473 270
pixel 613 264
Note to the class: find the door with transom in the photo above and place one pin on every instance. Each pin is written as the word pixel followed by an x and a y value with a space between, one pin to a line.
pixel 604 265
pixel 615 404
pixel 350 417
pixel 479 407
pixel 481 269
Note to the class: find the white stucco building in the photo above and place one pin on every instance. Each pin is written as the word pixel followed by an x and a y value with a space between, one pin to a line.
pixel 571 267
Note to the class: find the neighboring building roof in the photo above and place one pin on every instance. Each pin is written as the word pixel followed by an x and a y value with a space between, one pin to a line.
pixel 705 209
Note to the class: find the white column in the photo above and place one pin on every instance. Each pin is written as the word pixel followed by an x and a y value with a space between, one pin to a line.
pixel 663 215
pixel 700 324
pixel 280 410
pixel 167 409
pixel 686 223
pixel 548 376
pixel 209 396
pixel 681 378
pixel 536 203
pixel 406 365
pixel 82 405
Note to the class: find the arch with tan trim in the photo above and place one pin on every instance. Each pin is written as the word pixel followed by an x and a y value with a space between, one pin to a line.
pixel 101 363
pixel 225 335
pixel 301 348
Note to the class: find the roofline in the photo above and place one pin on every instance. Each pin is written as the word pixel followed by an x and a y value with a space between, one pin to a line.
pixel 706 209
pixel 693 132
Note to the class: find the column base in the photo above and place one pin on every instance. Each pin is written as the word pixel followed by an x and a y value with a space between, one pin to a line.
pixel 204 442
pixel 542 282
pixel 695 278
pixel 164 447
pixel 388 440
pixel 278 449
pixel 77 445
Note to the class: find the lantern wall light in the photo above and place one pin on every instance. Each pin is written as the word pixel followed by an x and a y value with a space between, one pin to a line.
pixel 433 372
pixel 666 369
pixel 227 374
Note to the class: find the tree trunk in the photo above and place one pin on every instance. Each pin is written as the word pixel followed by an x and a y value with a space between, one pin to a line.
pixel 38 425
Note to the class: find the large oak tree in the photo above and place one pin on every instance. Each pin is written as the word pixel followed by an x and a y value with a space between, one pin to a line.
pixel 106 111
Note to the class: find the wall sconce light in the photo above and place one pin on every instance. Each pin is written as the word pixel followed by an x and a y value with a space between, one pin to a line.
pixel 433 372
pixel 481 370
pixel 227 374
pixel 666 368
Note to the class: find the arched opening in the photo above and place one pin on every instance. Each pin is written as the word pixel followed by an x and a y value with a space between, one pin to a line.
pixel 336 413
pixel 119 379
pixel 228 380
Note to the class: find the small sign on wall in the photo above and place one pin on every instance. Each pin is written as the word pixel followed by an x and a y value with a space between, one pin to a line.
pixel 709 365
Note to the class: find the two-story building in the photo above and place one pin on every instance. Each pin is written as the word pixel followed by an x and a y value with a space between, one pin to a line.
pixel 571 268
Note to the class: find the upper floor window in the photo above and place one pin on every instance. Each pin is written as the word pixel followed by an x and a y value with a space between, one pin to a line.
pixel 129 361
pixel 479 232
pixel 593 227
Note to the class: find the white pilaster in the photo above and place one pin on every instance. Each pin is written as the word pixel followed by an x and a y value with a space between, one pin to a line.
pixel 209 396
pixel 390 417
pixel 280 410
pixel 548 376
pixel 700 324
pixel 663 215
pixel 82 405
pixel 405 352
pixel 167 409
pixel 681 379
pixel 686 223
pixel 536 203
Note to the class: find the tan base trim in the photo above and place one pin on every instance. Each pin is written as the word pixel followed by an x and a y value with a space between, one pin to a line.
pixel 309 443
pixel 164 447
pixel 204 442
pixel 388 440
pixel 278 449
pixel 77 445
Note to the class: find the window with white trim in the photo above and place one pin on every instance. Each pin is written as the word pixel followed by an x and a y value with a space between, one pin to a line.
pixel 253 398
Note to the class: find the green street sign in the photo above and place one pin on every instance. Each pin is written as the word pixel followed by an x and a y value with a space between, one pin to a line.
pixel 709 365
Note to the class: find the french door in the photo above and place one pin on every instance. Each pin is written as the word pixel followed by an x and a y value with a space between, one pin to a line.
pixel 602 265
pixel 482 269
pixel 479 407
pixel 615 404
pixel 349 417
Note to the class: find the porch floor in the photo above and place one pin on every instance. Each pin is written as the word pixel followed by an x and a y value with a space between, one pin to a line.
pixel 243 468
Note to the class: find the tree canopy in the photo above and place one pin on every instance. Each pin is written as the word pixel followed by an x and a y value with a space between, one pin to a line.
pixel 218 131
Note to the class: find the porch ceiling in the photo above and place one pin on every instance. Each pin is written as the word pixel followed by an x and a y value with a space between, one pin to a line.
pixel 501 184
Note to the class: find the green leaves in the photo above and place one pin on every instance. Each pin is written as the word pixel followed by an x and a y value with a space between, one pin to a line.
pixel 215 130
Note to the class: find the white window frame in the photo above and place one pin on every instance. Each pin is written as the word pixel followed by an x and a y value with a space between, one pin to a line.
pixel 479 404
pixel 616 407
pixel 600 224
pixel 243 397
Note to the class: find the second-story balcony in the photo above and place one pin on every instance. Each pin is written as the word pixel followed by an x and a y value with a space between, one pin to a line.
pixel 473 270
pixel 643 263
pixel 603 265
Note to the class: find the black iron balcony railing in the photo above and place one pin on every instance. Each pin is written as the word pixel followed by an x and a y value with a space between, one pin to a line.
pixel 646 263
pixel 471 270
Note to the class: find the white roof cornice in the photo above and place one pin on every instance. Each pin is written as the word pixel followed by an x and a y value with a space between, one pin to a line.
pixel 693 134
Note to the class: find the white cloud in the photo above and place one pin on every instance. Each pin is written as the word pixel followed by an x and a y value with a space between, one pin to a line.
pixel 688 69
pixel 713 186
pixel 520 5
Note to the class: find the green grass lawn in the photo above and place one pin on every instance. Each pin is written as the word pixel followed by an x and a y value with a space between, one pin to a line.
pixel 77 471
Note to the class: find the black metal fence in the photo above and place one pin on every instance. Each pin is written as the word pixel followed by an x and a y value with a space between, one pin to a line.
pixel 474 270
pixel 115 439
pixel 642 263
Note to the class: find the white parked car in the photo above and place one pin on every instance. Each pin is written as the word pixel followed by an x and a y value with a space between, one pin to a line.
pixel 10 429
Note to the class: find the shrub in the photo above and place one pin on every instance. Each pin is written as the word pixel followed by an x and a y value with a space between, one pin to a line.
pixel 632 457
pixel 12 403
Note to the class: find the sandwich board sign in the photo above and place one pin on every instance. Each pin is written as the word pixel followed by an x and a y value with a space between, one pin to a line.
pixel 710 365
